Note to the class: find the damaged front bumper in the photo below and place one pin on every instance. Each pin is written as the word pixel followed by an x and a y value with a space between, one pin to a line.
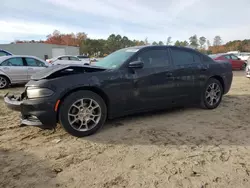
pixel 38 112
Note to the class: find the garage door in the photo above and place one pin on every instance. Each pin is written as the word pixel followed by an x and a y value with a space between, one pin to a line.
pixel 58 52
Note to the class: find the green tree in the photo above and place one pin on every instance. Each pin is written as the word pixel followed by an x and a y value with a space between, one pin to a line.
pixel 202 41
pixel 169 42
pixel 161 43
pixel 217 40
pixel 154 43
pixel 193 41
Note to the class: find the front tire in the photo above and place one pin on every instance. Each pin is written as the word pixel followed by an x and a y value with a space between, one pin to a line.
pixel 82 113
pixel 212 94
pixel 4 82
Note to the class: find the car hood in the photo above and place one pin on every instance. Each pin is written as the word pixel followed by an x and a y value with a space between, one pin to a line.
pixel 63 70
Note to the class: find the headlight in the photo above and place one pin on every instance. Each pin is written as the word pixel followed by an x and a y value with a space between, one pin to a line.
pixel 35 92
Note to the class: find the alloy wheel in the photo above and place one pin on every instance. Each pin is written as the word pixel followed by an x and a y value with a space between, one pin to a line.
pixel 213 94
pixel 84 114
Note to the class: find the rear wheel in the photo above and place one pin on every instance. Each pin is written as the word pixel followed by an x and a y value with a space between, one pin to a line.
pixel 82 113
pixel 4 82
pixel 212 94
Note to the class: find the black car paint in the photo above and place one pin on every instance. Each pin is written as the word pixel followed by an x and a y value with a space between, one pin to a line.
pixel 126 90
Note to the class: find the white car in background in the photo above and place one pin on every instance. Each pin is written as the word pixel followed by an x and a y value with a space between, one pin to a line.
pixel 242 55
pixel 65 58
pixel 248 68
pixel 17 69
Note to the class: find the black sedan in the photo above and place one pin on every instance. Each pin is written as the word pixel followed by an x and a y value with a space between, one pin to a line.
pixel 130 80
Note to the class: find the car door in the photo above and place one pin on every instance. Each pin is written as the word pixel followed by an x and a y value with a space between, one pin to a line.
pixel 236 61
pixel 187 67
pixel 33 66
pixel 15 68
pixel 229 58
pixel 153 84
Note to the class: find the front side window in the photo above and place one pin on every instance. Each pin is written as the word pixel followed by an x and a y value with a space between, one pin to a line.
pixel 234 57
pixel 227 56
pixel 154 58
pixel 185 57
pixel 16 61
pixel 3 53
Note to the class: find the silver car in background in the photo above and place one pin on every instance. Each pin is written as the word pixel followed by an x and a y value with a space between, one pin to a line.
pixel 64 58
pixel 18 69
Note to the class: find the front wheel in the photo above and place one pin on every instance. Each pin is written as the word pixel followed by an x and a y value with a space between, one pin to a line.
pixel 212 94
pixel 4 82
pixel 82 113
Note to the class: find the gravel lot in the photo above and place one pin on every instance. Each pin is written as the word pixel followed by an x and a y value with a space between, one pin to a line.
pixel 176 148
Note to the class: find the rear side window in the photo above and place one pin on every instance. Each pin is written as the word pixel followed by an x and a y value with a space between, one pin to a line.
pixel 154 58
pixel 17 61
pixel 64 58
pixel 73 59
pixel 34 63
pixel 185 57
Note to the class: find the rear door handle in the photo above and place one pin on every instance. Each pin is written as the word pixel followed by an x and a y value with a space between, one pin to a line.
pixel 204 68
pixel 30 68
pixel 169 74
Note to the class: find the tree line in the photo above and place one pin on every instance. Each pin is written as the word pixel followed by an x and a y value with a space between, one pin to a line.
pixel 102 47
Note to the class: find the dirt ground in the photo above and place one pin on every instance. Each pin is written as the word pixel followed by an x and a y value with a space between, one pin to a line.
pixel 176 148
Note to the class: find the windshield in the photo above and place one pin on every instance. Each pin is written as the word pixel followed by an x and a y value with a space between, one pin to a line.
pixel 116 59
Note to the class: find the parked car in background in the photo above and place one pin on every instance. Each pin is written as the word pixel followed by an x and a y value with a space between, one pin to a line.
pixel 237 63
pixel 84 59
pixel 242 55
pixel 248 68
pixel 65 58
pixel 130 80
pixel 18 69
pixel 4 53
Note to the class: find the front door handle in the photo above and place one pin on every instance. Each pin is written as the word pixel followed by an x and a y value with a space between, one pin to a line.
pixel 30 69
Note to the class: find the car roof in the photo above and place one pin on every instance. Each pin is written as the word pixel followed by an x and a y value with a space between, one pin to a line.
pixel 156 46
pixel 3 58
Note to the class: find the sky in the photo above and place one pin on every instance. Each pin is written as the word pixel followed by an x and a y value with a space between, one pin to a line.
pixel 136 19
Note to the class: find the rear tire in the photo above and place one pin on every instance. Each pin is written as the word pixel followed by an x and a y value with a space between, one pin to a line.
pixel 82 113
pixel 4 82
pixel 211 94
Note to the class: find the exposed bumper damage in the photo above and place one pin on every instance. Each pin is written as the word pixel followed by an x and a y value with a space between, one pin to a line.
pixel 30 115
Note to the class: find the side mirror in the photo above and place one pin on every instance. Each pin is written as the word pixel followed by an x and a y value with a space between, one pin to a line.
pixel 239 58
pixel 136 64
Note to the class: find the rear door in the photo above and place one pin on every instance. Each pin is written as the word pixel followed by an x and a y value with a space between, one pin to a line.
pixel 233 63
pixel 187 67
pixel 15 68
pixel 33 66
pixel 237 63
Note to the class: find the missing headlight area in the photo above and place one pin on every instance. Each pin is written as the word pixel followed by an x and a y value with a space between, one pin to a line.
pixel 74 70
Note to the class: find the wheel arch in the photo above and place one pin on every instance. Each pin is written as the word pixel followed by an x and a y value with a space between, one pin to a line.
pixel 220 79
pixel 96 90
pixel 4 75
